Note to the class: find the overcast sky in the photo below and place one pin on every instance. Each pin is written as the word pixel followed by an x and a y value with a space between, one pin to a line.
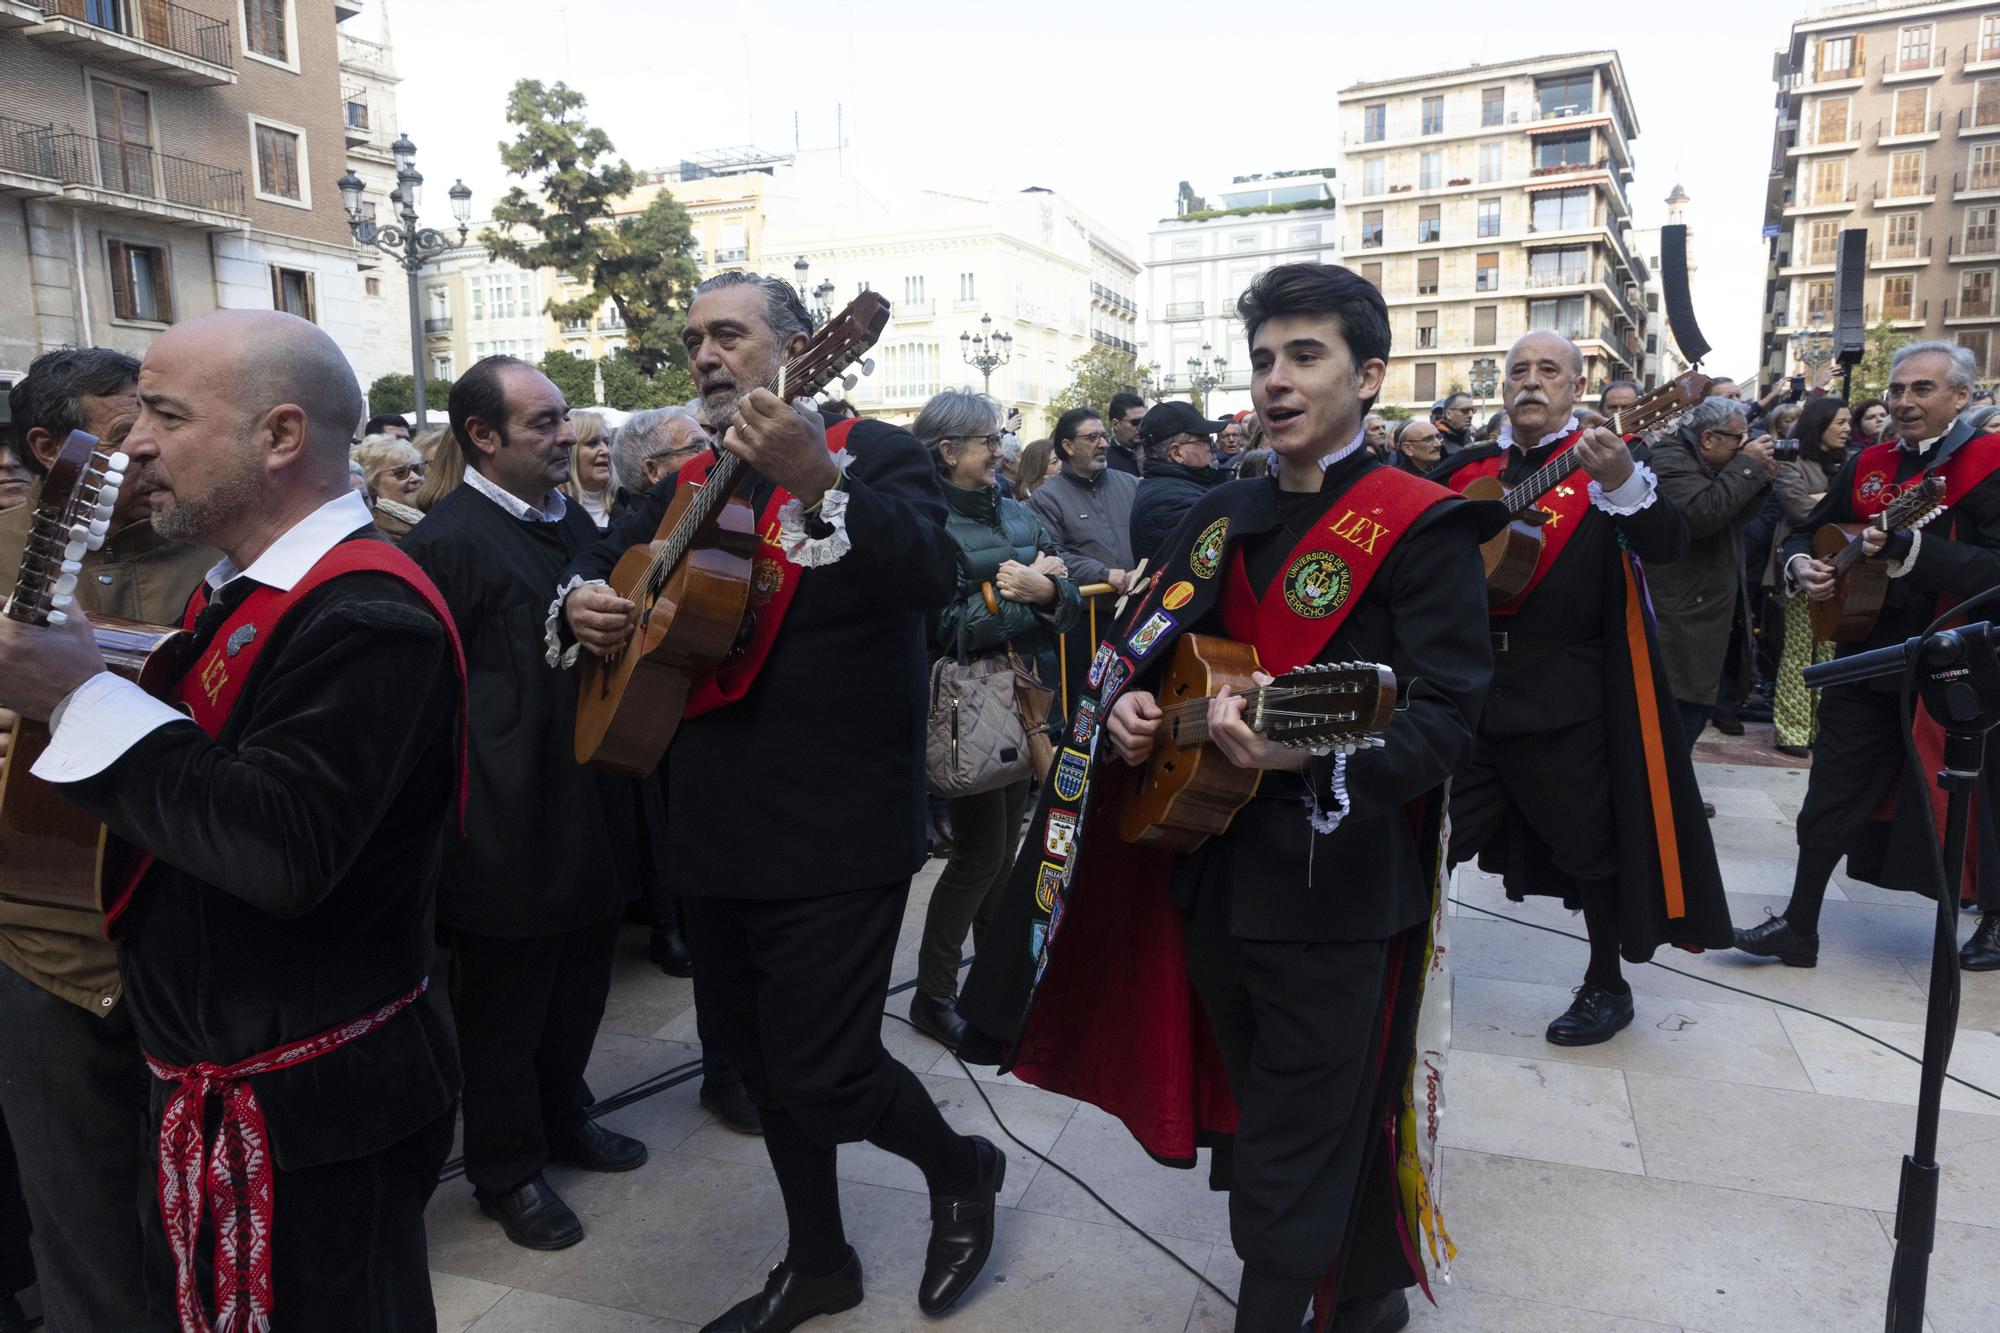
pixel 1111 104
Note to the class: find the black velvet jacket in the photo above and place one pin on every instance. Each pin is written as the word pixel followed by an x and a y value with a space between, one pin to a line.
pixel 298 857
pixel 813 782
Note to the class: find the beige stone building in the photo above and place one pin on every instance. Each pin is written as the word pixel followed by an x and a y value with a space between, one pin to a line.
pixel 1490 200
pixel 162 158
pixel 1888 120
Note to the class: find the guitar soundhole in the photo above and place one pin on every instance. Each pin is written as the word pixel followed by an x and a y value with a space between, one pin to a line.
pixel 1166 766
pixel 1181 688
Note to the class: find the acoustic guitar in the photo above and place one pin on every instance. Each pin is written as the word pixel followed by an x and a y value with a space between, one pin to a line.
pixel 1186 791
pixel 1512 554
pixel 1849 615
pixel 51 851
pixel 692 581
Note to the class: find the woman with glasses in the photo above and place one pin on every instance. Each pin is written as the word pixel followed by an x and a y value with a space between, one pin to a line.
pixel 394 472
pixel 1001 544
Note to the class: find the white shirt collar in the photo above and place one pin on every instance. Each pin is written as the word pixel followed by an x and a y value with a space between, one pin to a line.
pixel 1359 437
pixel 1921 447
pixel 300 547
pixel 1507 434
pixel 550 510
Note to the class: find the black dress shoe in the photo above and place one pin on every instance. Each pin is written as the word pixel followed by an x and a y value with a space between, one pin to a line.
pixel 1795 751
pixel 730 1103
pixel 1726 721
pixel 961 1234
pixel 533 1216
pixel 1372 1314
pixel 1595 1015
pixel 790 1298
pixel 1707 810
pixel 595 1148
pixel 669 950
pixel 937 1018
pixel 1775 938
pixel 1982 952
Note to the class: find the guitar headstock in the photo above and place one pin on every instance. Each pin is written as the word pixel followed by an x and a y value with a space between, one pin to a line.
pixel 1325 704
pixel 1657 408
pixel 1916 506
pixel 838 345
pixel 72 518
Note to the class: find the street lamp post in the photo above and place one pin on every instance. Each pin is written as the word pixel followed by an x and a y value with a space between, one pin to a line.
pixel 986 351
pixel 818 300
pixel 404 241
pixel 1201 377
pixel 1485 378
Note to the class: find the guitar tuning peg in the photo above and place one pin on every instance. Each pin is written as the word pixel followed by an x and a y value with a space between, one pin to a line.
pixel 849 381
pixel 868 365
pixel 58 618
pixel 118 462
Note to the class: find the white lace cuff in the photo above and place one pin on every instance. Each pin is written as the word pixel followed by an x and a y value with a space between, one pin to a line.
pixel 1898 568
pixel 556 655
pixel 1323 819
pixel 1636 492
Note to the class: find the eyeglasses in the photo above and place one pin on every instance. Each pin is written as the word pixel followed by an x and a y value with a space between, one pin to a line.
pixel 402 471
pixel 1920 389
pixel 1736 435
pixel 992 442
pixel 1089 437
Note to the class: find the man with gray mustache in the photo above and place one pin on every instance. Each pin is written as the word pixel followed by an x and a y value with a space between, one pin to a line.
pixel 1580 786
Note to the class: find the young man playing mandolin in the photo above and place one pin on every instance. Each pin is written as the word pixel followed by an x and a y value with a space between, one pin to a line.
pixel 1858 756
pixel 795 795
pixel 1306 923
pixel 1580 745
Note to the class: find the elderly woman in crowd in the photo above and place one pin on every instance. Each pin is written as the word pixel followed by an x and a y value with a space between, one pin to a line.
pixel 1824 429
pixel 1039 462
pixel 589 483
pixel 1001 543
pixel 1418 447
pixel 395 472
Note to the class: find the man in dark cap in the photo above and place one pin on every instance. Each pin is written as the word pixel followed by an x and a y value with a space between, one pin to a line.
pixel 1180 466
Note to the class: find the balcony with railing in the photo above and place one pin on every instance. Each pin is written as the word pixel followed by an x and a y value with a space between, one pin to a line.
pixel 734 254
pixel 1981 182
pixel 1113 299
pixel 362 54
pixel 1975 246
pixel 157 38
pixel 1981 118
pixel 1113 340
pixel 1897 193
pixel 438 324
pixel 612 322
pixel 1816 137
pixel 1826 80
pixel 1894 254
pixel 924 309
pixel 133 179
pixel 1900 67
pixel 1897 312
pixel 27 166
pixel 355 118
pixel 1890 133
pixel 1975 306
pixel 1184 310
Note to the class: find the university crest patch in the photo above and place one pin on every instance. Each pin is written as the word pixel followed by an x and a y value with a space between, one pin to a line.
pixel 1317 584
pixel 1061 835
pixel 1873 485
pixel 1071 766
pixel 1086 721
pixel 1177 596
pixel 765 576
pixel 1098 663
pixel 1149 633
pixel 1206 557
pixel 1046 884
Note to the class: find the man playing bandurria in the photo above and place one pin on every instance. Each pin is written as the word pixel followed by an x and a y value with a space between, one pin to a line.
pixel 795 795
pixel 1580 743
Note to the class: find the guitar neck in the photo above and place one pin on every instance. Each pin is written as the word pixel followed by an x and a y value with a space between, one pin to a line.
pixel 1525 496
pixel 1187 722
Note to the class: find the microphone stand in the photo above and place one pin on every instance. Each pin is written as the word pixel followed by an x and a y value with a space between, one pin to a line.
pixel 1957 673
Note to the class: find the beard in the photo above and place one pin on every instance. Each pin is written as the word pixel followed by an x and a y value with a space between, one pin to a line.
pixel 198 520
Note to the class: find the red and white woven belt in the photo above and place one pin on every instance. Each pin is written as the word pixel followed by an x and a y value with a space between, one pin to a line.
pixel 229 1181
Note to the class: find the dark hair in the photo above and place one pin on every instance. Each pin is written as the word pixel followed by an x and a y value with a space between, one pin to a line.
pixel 1066 426
pixel 783 310
pixel 841 410
pixel 1605 392
pixel 1124 401
pixel 480 392
pixel 51 394
pixel 375 423
pixel 1321 289
pixel 1861 410
pixel 1254 463
pixel 1810 429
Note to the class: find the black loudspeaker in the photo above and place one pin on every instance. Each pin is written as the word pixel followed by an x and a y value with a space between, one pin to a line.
pixel 1674 286
pixel 1850 273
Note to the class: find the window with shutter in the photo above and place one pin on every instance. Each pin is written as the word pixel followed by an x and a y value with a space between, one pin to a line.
pixel 277 159
pixel 140 285
pixel 292 292
pixel 1426 380
pixel 264 31
pixel 1485 325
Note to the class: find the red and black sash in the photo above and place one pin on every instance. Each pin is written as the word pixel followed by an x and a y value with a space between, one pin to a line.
pixel 208 690
pixel 774 581
pixel 1563 507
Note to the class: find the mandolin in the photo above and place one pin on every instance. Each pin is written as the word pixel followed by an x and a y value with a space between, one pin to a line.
pixel 1186 792
pixel 1512 554
pixel 692 581
pixel 1859 584
pixel 51 851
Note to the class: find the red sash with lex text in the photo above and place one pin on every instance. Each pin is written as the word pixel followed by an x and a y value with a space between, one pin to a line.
pixel 1327 572
pixel 774 581
pixel 207 692
pixel 1563 507
pixel 1875 486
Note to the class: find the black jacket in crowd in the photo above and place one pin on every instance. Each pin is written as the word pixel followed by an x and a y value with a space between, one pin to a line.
pixel 1166 493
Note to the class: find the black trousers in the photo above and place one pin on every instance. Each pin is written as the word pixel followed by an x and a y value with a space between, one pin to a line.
pixel 985 831
pixel 797 987
pixel 527 1012
pixel 73 1093
pixel 1558 783
pixel 348 1252
pixel 1301 1033
pixel 17 1267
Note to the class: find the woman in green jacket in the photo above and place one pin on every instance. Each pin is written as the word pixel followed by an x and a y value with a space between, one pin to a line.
pixel 1001 543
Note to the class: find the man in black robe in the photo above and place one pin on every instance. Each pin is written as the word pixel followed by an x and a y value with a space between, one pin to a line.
pixel 534 892
pixel 285 924
pixel 1580 744
pixel 795 798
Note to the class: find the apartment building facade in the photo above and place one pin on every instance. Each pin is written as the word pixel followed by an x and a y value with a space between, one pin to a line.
pixel 368 82
pixel 1201 259
pixel 1492 200
pixel 163 158
pixel 1888 120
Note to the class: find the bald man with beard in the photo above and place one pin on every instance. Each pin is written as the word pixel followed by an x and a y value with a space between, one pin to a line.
pixel 289 795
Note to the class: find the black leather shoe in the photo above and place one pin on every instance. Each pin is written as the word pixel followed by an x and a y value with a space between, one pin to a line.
pixel 961 1233
pixel 937 1018
pixel 730 1103
pixel 1775 938
pixel 1795 751
pixel 789 1299
pixel 1372 1314
pixel 669 950
pixel 595 1148
pixel 533 1216
pixel 1707 810
pixel 1982 952
pixel 1726 721
pixel 1595 1015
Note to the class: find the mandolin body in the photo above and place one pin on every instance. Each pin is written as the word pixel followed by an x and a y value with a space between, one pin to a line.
pixel 1184 795
pixel 1850 614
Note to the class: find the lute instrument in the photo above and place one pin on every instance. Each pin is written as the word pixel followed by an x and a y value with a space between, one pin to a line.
pixel 1186 791
pixel 1860 585
pixel 692 581
pixel 51 851
pixel 1512 554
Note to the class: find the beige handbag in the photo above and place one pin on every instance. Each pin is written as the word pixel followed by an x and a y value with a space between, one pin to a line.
pixel 974 740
